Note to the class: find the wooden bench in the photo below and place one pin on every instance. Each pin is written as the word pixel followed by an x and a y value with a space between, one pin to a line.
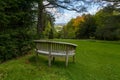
pixel 53 49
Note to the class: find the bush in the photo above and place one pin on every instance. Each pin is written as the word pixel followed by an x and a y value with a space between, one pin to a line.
pixel 16 17
pixel 14 45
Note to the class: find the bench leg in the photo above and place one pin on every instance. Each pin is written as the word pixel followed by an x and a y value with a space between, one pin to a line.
pixel 36 56
pixel 49 61
pixel 66 61
pixel 53 59
pixel 37 59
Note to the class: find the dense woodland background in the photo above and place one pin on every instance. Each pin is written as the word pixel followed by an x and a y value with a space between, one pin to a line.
pixel 104 25
pixel 19 27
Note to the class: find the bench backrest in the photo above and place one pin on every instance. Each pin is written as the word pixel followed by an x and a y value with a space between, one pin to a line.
pixel 53 46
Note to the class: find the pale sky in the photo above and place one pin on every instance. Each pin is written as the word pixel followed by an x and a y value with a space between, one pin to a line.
pixel 64 16
pixel 67 15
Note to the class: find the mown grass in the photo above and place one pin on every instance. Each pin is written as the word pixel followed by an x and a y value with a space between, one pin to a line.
pixel 95 60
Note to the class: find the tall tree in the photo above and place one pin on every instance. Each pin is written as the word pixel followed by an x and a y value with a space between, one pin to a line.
pixel 76 5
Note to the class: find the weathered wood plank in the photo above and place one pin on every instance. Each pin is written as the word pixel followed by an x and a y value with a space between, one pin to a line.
pixel 53 48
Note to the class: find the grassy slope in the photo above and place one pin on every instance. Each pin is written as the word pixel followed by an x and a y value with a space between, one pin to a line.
pixel 95 60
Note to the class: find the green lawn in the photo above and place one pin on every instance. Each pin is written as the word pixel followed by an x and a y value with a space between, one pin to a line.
pixel 95 60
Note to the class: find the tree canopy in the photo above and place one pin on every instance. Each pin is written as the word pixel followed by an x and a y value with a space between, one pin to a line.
pixel 108 26
pixel 103 25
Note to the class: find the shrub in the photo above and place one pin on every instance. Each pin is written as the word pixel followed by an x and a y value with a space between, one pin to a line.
pixel 14 45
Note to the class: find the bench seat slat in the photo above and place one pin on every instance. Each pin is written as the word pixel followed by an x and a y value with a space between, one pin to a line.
pixel 71 53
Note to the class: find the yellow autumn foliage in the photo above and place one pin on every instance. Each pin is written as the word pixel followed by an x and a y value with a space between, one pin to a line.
pixel 78 20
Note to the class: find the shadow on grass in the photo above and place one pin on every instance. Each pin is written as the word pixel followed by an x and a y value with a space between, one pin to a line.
pixel 43 61
pixel 61 63
pixel 37 60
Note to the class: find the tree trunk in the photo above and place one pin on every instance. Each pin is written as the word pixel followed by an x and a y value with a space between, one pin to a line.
pixel 40 23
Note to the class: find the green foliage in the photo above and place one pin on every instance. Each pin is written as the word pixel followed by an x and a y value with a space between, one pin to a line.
pixel 58 32
pixel 51 34
pixel 16 17
pixel 80 27
pixel 108 24
pixel 87 27
pixel 49 31
pixel 68 30
pixel 14 44
pixel 15 13
pixel 105 25
pixel 5 43
pixel 45 26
